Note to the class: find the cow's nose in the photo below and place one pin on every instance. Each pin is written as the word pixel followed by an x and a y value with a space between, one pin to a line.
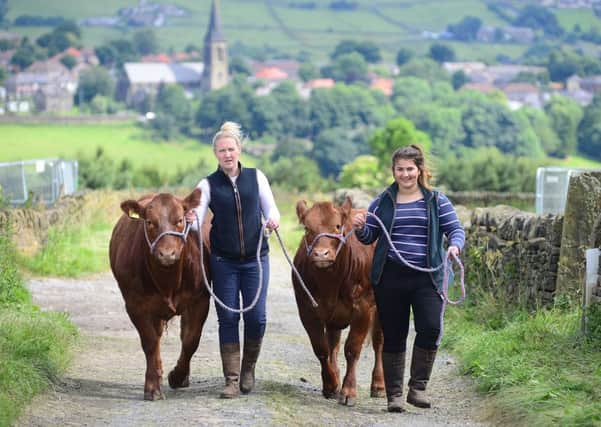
pixel 167 256
pixel 321 253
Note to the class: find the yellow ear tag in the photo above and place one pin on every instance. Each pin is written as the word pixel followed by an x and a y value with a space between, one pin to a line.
pixel 133 214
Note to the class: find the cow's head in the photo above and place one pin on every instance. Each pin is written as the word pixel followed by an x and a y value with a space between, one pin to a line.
pixel 164 223
pixel 326 226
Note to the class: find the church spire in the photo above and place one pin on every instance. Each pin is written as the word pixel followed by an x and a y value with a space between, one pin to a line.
pixel 214 32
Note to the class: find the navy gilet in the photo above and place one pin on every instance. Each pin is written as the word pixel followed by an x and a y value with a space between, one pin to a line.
pixel 236 207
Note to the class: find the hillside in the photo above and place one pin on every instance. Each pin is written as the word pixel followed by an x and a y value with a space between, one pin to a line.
pixel 296 26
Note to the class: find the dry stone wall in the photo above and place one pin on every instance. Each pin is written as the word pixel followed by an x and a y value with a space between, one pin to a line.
pixel 518 252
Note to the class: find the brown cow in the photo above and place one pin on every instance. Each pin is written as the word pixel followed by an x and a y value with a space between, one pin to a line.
pixel 158 271
pixel 336 271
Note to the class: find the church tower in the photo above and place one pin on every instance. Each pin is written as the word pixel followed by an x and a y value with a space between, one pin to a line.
pixel 215 74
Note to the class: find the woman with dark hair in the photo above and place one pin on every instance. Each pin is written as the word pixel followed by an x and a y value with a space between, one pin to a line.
pixel 417 218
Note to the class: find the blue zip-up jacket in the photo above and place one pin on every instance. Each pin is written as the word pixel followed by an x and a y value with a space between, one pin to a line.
pixel 435 248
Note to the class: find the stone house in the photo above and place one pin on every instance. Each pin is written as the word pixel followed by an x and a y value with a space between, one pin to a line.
pixel 143 79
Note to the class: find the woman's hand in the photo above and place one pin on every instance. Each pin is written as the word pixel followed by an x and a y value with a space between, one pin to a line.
pixel 272 224
pixel 453 251
pixel 190 216
pixel 359 221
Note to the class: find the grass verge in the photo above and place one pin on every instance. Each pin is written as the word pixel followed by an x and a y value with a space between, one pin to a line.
pixel 537 367
pixel 34 345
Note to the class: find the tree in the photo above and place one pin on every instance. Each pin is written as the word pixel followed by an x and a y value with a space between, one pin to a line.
pixel 489 123
pixel 564 115
pixel 23 56
pixel 296 173
pixel 173 110
pixel 65 35
pixel 333 149
pixel 424 68
pixel 589 130
pixel 238 65
pixel 459 78
pixel 307 71
pixel 107 55
pixel 3 10
pixel 2 75
pixel 399 132
pixel 145 41
pixel 467 29
pixel 69 61
pixel 367 49
pixel 542 127
pixel 364 172
pixel 348 67
pixel 403 56
pixel 441 53
pixel 538 18
pixel 94 81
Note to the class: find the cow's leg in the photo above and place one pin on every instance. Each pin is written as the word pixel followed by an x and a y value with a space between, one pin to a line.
pixel 377 375
pixel 191 323
pixel 150 330
pixel 315 330
pixel 352 350
pixel 334 345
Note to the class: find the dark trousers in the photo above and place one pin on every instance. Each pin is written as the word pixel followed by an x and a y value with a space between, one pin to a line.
pixel 232 278
pixel 400 290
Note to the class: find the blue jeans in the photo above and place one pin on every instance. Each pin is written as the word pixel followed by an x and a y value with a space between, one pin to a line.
pixel 230 279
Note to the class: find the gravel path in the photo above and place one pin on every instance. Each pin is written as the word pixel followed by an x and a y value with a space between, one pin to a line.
pixel 104 384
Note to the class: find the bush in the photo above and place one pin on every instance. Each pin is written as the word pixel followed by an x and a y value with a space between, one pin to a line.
pixel 12 290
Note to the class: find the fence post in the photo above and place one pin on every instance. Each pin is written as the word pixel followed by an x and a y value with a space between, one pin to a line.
pixel 592 273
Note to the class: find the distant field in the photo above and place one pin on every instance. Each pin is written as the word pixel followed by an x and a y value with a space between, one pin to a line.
pixel 119 141
pixel 577 162
pixel 389 24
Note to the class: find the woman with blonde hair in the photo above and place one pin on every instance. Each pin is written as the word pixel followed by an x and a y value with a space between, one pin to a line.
pixel 239 197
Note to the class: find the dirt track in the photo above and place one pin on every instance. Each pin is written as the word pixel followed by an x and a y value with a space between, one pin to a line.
pixel 104 385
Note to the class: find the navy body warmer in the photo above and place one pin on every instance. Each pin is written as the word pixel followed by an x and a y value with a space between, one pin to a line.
pixel 236 207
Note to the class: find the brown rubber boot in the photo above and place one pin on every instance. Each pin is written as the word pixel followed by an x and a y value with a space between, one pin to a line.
pixel 394 370
pixel 252 348
pixel 230 359
pixel 421 368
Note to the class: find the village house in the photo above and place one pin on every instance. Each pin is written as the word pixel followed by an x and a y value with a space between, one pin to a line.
pixel 143 79
pixel 50 78
pixel 523 94
pixel 306 89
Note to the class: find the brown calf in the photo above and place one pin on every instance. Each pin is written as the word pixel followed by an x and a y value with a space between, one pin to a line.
pixel 336 269
pixel 157 267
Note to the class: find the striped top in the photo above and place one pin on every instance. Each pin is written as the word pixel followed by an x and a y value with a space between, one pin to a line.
pixel 410 229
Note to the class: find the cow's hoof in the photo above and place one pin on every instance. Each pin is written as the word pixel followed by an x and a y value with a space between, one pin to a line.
pixel 378 392
pixel 347 400
pixel 153 395
pixel 330 394
pixel 177 382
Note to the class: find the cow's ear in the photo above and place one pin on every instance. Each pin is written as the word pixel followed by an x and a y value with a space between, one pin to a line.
pixel 192 200
pixel 132 209
pixel 345 209
pixel 301 208
pixel 347 205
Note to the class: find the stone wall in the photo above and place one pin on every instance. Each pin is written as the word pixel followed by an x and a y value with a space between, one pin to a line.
pixel 516 252
pixel 583 208
pixel 597 243
pixel 534 259
pixel 30 225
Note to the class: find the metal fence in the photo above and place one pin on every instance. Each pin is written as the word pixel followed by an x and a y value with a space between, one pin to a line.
pixel 37 181
pixel 552 188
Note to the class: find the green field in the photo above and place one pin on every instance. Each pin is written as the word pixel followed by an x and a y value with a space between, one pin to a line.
pixel 20 142
pixel 258 23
